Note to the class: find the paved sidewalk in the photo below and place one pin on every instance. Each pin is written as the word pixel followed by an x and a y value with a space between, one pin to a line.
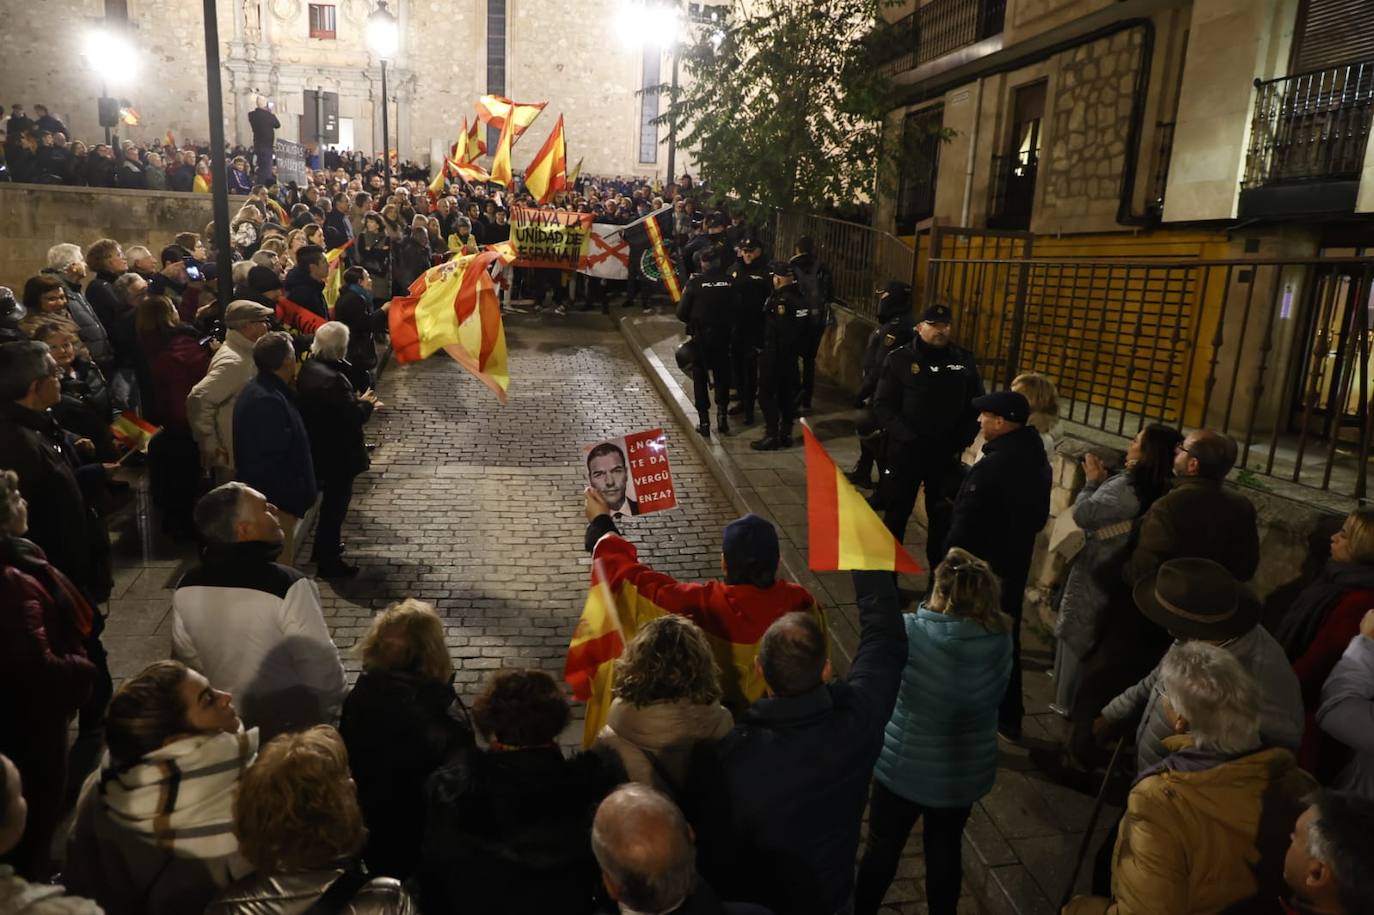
pixel 1022 839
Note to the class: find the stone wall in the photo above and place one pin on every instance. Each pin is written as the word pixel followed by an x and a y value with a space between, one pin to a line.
pixel 1087 122
pixel 38 217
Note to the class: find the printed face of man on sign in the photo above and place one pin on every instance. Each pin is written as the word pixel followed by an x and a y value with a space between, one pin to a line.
pixel 608 475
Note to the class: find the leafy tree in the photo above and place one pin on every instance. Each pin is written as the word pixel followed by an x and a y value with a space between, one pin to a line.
pixel 785 105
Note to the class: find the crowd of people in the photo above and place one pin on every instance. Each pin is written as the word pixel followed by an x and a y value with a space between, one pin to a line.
pixel 734 770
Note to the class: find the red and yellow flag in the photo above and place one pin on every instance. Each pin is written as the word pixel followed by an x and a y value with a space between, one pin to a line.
pixel 844 532
pixel 470 172
pixel 171 140
pixel 665 263
pixel 597 639
pixel 496 110
pixel 453 307
pixel 470 144
pixel 333 284
pixel 133 431
pixel 547 173
pixel 500 162
pixel 577 170
pixel 436 187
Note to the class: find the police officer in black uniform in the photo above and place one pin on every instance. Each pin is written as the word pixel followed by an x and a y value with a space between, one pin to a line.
pixel 896 327
pixel 924 401
pixel 753 284
pixel 708 307
pixel 785 320
pixel 714 237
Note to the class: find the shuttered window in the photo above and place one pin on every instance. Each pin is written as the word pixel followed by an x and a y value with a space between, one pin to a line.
pixel 1333 32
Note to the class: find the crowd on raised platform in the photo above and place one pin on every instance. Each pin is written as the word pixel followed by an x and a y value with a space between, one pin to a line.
pixel 735 769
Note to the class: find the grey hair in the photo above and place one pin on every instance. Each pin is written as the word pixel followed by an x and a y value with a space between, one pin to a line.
pixel 239 272
pixel 331 341
pixel 273 350
pixel 263 258
pixel 1209 687
pixel 21 364
pixel 62 256
pixel 136 253
pixel 642 842
pixel 122 283
pixel 218 511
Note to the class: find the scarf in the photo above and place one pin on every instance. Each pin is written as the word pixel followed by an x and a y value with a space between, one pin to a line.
pixel 1299 626
pixel 181 797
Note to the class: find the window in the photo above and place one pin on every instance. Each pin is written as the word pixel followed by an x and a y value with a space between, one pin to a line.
pixel 1013 174
pixel 916 192
pixel 322 20
pixel 116 11
pixel 496 59
pixel 648 105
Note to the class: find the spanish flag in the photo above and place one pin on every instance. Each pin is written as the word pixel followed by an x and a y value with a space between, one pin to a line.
pixel 133 431
pixel 472 143
pixel 844 532
pixel 547 172
pixel 496 110
pixel 333 284
pixel 733 618
pixel 453 307
pixel 470 172
pixel 500 163
pixel 577 170
pixel 436 187
pixel 171 140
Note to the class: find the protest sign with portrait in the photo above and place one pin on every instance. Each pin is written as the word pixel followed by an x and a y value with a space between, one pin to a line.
pixel 632 473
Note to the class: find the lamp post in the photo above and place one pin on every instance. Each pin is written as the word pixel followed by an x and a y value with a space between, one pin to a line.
pixel 219 189
pixel 382 39
pixel 658 24
pixel 108 53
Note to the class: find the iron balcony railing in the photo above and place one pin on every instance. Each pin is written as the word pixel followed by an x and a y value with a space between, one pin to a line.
pixel 1310 126
pixel 1011 192
pixel 937 28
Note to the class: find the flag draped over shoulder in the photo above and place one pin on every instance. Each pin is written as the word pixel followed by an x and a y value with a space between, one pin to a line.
pixel 844 532
pixel 597 638
pixel 453 307
pixel 500 161
pixel 496 110
pixel 547 171
pixel 333 284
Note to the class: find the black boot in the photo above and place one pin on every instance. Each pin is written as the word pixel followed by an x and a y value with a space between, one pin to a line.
pixel 704 424
pixel 722 422
pixel 862 474
pixel 768 443
pixel 748 416
pixel 785 436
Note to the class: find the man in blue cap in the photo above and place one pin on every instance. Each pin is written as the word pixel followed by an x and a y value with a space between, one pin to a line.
pixel 1003 503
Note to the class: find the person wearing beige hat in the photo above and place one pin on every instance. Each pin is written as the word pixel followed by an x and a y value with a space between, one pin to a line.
pixel 210 405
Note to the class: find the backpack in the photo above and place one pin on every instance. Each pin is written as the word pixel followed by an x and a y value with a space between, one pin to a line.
pixel 814 285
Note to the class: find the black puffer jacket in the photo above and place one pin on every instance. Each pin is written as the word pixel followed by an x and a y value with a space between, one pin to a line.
pixel 88 324
pixel 509 831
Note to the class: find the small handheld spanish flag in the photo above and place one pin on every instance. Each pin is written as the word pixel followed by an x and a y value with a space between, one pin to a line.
pixel 133 431
pixel 844 532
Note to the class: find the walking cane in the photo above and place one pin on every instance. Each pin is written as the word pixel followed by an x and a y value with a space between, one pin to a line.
pixel 1092 824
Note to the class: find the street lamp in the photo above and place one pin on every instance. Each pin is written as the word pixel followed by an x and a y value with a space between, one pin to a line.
pixel 382 40
pixel 111 55
pixel 657 23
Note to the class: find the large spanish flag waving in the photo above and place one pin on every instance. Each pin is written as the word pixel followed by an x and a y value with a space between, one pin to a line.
pixel 469 145
pixel 597 639
pixel 496 110
pixel 548 171
pixel 500 160
pixel 844 532
pixel 333 284
pixel 453 307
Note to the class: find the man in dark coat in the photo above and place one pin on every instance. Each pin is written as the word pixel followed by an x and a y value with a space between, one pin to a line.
pixel 753 285
pixel 708 307
pixel 779 800
pixel 338 228
pixel 355 309
pixel 895 328
pixel 265 125
pixel 1003 503
pixel 305 281
pixel 334 416
pixel 271 446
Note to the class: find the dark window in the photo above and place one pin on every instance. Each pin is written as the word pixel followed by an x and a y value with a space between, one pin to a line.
pixel 1332 32
pixel 1013 174
pixel 648 106
pixel 496 59
pixel 116 11
pixel 321 20
pixel 916 192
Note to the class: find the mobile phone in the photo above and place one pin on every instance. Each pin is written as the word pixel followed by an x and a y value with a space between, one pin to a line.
pixel 193 270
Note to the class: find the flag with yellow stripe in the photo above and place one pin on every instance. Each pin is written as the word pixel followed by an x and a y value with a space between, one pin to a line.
pixel 844 532
pixel 333 284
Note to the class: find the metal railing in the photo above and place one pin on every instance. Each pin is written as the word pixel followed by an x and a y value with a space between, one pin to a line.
pixel 861 259
pixel 1164 149
pixel 1310 126
pixel 937 28
pixel 1276 353
pixel 1011 192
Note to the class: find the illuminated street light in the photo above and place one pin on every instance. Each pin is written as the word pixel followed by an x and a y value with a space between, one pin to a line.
pixel 111 55
pixel 656 23
pixel 383 38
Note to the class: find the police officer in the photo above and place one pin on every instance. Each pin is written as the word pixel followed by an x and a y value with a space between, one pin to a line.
pixel 785 319
pixel 708 307
pixel 815 284
pixel 713 237
pixel 896 327
pixel 753 284
pixel 924 401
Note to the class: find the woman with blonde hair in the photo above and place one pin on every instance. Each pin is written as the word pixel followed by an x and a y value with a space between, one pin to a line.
pixel 939 751
pixel 666 699
pixel 298 822
pixel 1040 393
pixel 1316 629
pixel 401 722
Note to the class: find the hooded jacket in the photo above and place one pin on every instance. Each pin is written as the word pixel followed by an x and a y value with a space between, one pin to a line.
pixel 655 741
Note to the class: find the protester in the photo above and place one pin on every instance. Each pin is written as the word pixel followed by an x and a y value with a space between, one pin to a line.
pixel 1038 389
pixel 1002 505
pixel 939 753
pixel 66 263
pixel 1206 825
pixel 305 281
pixel 734 614
pixel 1347 709
pixel 298 822
pixel 85 409
pixel 18 895
pixel 401 722
pixel 1316 629
pixel 1327 865
pixel 44 675
pixel 334 416
pixel 210 405
pixel 667 700
pixel 271 446
pixel 364 320
pixel 518 813
pixel 153 831
pixel 273 651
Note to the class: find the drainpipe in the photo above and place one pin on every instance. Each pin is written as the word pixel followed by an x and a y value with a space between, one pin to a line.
pixel 972 156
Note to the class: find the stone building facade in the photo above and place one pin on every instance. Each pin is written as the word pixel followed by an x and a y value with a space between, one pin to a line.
pixel 566 52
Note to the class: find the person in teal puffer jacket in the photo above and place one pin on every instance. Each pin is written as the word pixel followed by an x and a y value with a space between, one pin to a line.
pixel 939 751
